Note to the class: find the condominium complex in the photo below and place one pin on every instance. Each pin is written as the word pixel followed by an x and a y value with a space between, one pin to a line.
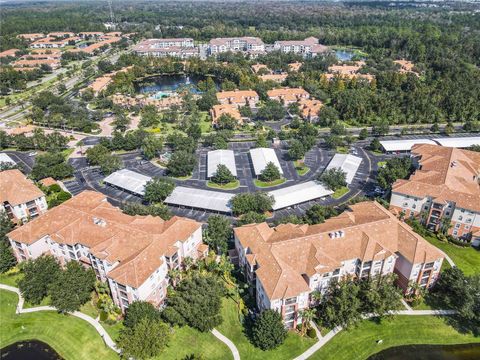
pixel 288 95
pixel 253 46
pixel 181 47
pixel 19 197
pixel 307 48
pixel 238 98
pixel 444 191
pixel 132 253
pixel 285 264
pixel 225 109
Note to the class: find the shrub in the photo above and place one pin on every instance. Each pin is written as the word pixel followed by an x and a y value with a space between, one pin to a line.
pixel 311 333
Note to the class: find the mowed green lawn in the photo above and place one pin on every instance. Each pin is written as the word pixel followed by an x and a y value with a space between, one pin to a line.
pixel 71 337
pixel 467 259
pixel 232 328
pixel 361 342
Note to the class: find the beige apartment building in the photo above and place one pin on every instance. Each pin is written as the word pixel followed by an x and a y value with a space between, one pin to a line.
pixel 132 253
pixel 19 197
pixel 285 264
pixel 444 191
pixel 253 46
pixel 288 95
pixel 308 48
pixel 238 98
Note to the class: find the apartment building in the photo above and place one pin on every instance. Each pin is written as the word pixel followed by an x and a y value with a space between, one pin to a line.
pixel 444 191
pixel 181 47
pixel 238 98
pixel 309 108
pixel 253 46
pixel 288 95
pixel 19 197
pixel 225 109
pixel 132 253
pixel 308 48
pixel 289 262
pixel 349 71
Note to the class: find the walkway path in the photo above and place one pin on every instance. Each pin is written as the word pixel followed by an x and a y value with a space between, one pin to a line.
pixel 20 310
pixel 228 342
pixel 315 347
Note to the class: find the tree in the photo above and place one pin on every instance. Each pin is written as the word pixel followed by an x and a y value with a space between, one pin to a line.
pixel 317 214
pixel 272 110
pixel 395 168
pixel 268 331
pixel 251 217
pixel 51 165
pixel 258 202
pixel 340 305
pixel 327 116
pixel 333 141
pixel 380 127
pixel 144 341
pixel 159 210
pixel 151 146
pixel 375 145
pixel 196 301
pixel 218 233
pixel 334 178
pixel 261 141
pixel 139 310
pixel 296 150
pixel 307 315
pixel 72 287
pixel 379 294
pixel 38 275
pixel 223 175
pixel 270 173
pixel 226 122
pixel 181 163
pixel 338 129
pixel 363 134
pixel 157 189
pixel 246 111
pixel 7 259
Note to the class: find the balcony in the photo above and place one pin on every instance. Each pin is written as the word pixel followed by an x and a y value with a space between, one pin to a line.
pixel 438 206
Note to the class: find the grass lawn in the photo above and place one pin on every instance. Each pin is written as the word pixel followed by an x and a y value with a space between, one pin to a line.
pixel 186 341
pixel 340 192
pixel 301 168
pixel 467 259
pixel 360 342
pixel 182 178
pixel 381 164
pixel 265 184
pixel 71 337
pixel 10 278
pixel 230 186
pixel 232 328
pixel 342 149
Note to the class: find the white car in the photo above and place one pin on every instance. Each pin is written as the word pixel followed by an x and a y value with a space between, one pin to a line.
pixel 33 153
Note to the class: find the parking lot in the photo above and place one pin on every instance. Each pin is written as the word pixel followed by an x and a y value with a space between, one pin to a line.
pixel 22 159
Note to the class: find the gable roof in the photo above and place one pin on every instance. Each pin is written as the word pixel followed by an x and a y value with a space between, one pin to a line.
pixel 287 252
pixel 16 189
pixel 446 174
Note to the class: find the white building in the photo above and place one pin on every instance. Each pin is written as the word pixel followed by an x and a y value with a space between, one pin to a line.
pixel 19 197
pixel 220 157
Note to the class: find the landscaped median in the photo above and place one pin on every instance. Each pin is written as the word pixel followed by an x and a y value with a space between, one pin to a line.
pixel 300 167
pixel 229 186
pixel 363 340
pixel 267 184
pixel 340 192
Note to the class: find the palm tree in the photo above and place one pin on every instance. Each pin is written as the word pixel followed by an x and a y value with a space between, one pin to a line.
pixel 187 263
pixel 175 275
pixel 307 315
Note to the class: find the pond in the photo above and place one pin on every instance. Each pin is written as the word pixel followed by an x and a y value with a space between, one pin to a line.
pixel 430 352
pixel 166 85
pixel 29 350
pixel 344 55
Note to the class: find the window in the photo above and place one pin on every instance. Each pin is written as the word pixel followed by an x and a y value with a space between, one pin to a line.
pixel 336 272
pixel 455 232
pixel 429 265
pixel 290 301
pixel 457 226
pixel 460 217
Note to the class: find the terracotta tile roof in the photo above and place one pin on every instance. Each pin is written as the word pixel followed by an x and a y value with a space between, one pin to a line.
pixel 32 36
pixel 35 63
pixel 446 174
pixel 135 244
pixel 236 96
pixel 49 181
pixel 295 66
pixel 61 34
pixel 288 94
pixel 10 52
pixel 256 67
pixel 226 41
pixel 16 189
pixel 309 108
pixel 284 253
pixel 225 109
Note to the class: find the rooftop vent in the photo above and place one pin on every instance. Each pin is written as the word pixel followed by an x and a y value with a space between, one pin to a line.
pixel 99 222
pixel 337 234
